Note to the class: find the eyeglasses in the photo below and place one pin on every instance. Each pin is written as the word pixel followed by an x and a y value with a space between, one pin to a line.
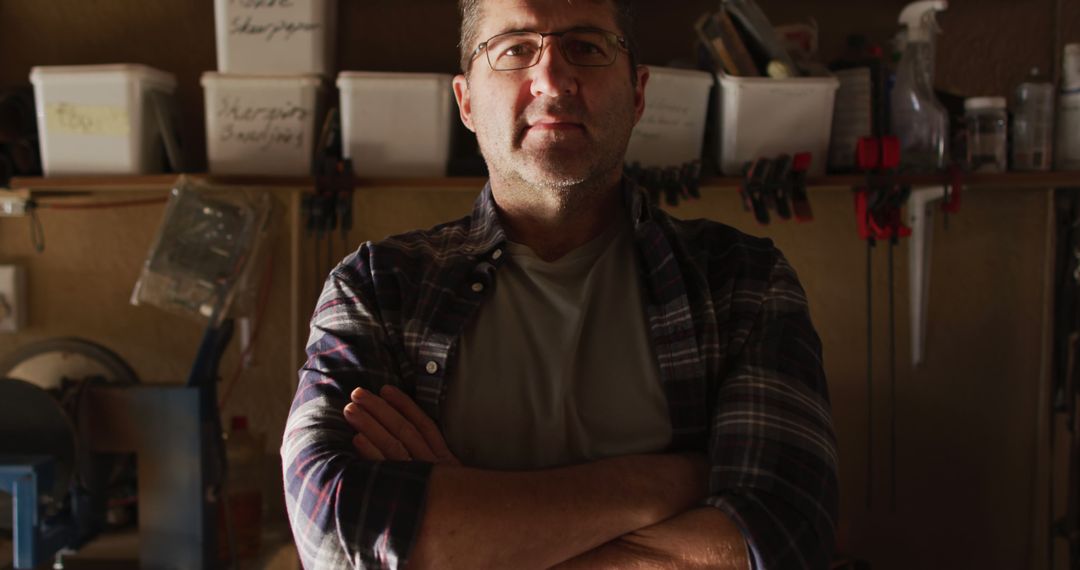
pixel 586 47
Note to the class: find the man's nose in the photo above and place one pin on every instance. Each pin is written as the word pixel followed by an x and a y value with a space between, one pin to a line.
pixel 553 75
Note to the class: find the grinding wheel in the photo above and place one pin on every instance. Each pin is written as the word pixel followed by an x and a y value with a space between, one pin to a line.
pixel 32 422
pixel 40 385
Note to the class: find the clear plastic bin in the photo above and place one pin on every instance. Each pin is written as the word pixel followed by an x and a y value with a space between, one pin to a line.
pixel 275 36
pixel 396 125
pixel 671 132
pixel 101 119
pixel 760 116
pixel 261 125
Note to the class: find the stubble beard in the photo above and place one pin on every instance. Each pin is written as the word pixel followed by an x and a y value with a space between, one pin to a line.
pixel 565 176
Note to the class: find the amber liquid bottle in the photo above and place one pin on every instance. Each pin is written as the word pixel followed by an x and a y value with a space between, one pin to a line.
pixel 242 507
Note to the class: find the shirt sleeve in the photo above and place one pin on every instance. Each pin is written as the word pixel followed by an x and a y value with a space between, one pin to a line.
pixel 346 512
pixel 772 446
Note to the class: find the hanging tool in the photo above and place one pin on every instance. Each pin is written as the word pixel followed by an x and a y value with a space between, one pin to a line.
pixel 920 217
pixel 330 207
pixel 877 208
pixel 674 183
pixel 752 188
pixel 777 184
pixel 800 200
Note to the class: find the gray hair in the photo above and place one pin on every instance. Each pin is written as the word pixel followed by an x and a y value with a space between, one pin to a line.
pixel 470 27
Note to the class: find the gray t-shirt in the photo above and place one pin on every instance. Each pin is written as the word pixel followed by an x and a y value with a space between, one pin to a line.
pixel 557 367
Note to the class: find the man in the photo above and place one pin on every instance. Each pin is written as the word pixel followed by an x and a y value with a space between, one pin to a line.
pixel 567 377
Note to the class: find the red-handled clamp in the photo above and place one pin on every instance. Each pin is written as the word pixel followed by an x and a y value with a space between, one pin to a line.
pixel 878 203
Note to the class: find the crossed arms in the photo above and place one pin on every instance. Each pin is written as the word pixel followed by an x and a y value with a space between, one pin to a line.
pixel 623 512
pixel 771 467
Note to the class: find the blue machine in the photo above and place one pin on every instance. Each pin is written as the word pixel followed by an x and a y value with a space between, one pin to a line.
pixel 56 437
pixel 26 479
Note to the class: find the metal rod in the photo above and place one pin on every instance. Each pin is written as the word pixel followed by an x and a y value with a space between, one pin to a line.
pixel 869 375
pixel 892 381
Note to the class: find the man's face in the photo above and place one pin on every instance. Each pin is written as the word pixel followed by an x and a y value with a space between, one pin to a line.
pixel 553 125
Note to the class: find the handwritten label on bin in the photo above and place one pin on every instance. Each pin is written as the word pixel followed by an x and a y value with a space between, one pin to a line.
pixel 75 119
pixel 273 20
pixel 666 117
pixel 261 126
pixel 670 131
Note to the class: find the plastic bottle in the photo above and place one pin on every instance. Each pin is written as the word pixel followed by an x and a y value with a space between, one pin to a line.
pixel 243 494
pixel 987 131
pixel 1070 64
pixel 1067 151
pixel 918 118
pixel 1033 125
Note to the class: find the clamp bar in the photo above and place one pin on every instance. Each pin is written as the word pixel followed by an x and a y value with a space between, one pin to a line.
pixel 920 218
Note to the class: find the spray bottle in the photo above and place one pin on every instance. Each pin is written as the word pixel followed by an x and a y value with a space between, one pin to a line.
pixel 918 119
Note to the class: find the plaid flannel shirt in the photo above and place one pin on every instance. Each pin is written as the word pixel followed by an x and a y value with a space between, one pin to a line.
pixel 739 360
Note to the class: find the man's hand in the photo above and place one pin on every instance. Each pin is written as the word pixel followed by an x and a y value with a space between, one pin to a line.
pixel 390 426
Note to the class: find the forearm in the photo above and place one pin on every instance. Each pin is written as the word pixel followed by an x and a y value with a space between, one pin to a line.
pixel 483 519
pixel 700 538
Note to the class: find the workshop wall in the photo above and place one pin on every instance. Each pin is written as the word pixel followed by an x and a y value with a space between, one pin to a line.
pixel 970 468
pixel 988 46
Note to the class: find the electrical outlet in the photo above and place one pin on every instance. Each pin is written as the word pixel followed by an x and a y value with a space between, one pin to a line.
pixel 13 203
pixel 12 298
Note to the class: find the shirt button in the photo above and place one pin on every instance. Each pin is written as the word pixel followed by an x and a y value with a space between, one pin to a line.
pixel 432 367
pixel 478 287
pixel 496 254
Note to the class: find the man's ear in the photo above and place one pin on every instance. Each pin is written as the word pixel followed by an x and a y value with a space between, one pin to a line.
pixel 639 91
pixel 461 93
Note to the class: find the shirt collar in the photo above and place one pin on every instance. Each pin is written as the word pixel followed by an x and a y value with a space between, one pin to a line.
pixel 486 232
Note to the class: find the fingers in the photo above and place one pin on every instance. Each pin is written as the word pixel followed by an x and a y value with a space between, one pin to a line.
pixel 416 417
pixel 389 446
pixel 387 429
pixel 366 449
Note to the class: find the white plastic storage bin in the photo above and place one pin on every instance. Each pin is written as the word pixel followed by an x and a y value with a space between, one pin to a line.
pixel 396 125
pixel 275 36
pixel 260 124
pixel 101 119
pixel 760 116
pixel 671 131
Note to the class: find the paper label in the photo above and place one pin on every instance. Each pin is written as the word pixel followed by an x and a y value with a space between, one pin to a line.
pixel 262 126
pixel 98 120
pixel 270 20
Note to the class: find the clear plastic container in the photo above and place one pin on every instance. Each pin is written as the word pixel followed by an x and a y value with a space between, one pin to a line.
pixel 396 125
pixel 1070 67
pixel 987 134
pixel 203 248
pixel 101 119
pixel 1033 126
pixel 262 124
pixel 275 36
pixel 1067 150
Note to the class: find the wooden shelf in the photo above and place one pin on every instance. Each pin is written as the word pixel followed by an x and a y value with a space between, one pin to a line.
pixel 161 182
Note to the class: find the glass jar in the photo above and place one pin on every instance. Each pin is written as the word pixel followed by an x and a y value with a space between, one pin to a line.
pixel 987 134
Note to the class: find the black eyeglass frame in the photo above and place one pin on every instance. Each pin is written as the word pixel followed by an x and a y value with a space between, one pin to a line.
pixel 618 41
